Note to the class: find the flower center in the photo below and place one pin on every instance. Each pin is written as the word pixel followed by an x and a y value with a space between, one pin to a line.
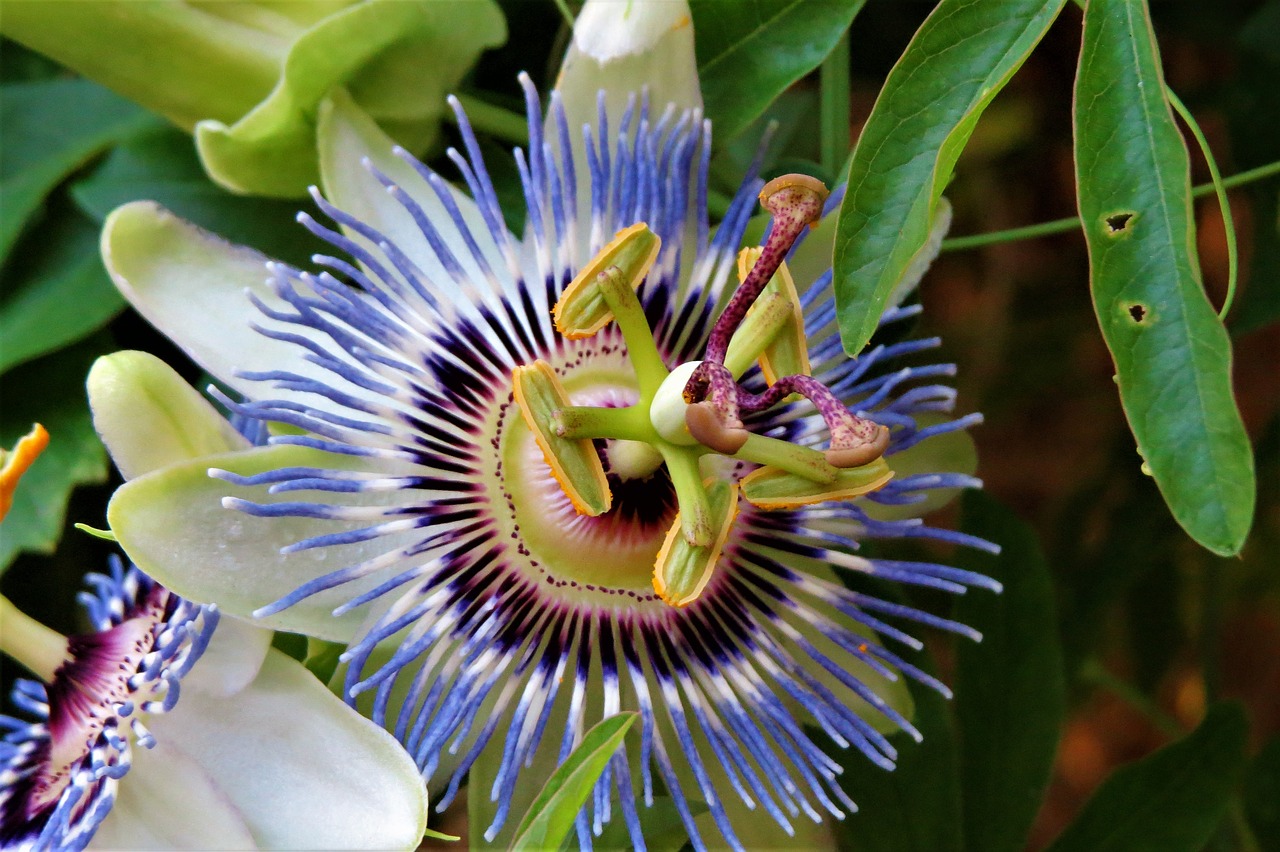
pixel 610 554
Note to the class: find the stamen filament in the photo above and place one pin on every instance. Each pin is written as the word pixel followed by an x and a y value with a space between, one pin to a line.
pixel 767 319
pixel 40 649
pixel 793 458
pixel 642 350
pixel 627 424
pixel 691 495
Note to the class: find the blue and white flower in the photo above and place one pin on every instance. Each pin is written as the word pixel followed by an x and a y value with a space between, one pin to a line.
pixel 406 505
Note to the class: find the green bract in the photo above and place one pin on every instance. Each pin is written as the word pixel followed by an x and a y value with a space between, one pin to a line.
pixel 247 78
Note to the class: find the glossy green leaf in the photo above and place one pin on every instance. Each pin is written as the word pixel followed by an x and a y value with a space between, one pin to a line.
pixel 1262 796
pixel 749 51
pixel 48 130
pixel 1010 697
pixel 1172 355
pixel 162 166
pixel 917 806
pixel 552 813
pixel 58 293
pixel 958 61
pixel 49 391
pixel 1171 800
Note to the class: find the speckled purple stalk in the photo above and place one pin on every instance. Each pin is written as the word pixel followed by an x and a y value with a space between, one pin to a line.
pixel 847 429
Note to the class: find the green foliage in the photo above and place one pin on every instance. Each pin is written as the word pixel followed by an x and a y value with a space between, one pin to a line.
pixel 1262 795
pixel 958 61
pixel 1171 800
pixel 550 817
pixel 749 51
pixel 48 129
pixel 1172 355
pixel 1010 696
pixel 55 398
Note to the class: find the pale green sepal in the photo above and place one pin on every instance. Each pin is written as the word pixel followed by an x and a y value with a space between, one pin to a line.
pixel 305 770
pixel 149 417
pixel 347 136
pixel 173 524
pixel 398 59
pixel 190 284
pixel 168 802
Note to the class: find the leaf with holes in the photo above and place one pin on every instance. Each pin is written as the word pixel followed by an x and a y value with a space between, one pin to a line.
pixel 749 51
pixel 958 61
pixel 1172 354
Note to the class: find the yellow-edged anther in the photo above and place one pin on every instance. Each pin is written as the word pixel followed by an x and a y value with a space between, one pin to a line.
pixel 574 462
pixel 772 488
pixel 14 463
pixel 582 309
pixel 783 350
pixel 682 570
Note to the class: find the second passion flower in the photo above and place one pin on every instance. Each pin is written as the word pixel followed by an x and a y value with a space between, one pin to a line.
pixel 522 523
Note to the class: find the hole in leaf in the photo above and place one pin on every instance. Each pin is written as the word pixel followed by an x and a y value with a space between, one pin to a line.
pixel 1137 312
pixel 1118 222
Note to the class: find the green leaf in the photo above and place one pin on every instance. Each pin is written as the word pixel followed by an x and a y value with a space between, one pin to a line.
pixel 917 806
pixel 958 61
pixel 1172 355
pixel 551 815
pixel 1171 800
pixel 750 51
pixel 1010 696
pixel 47 131
pixel 1262 796
pixel 322 660
pixel 58 294
pixel 49 391
pixel 162 166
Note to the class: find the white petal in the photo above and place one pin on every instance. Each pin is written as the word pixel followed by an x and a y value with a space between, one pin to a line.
pixel 191 285
pixel 232 659
pixel 167 801
pixel 305 770
pixel 173 525
pixel 348 137
pixel 148 417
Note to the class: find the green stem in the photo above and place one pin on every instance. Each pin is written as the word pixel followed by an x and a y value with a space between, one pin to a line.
pixel 627 424
pixel 494 120
pixel 26 640
pixel 1093 672
pixel 802 461
pixel 1062 226
pixel 834 108
pixel 1228 225
pixel 642 351
pixel 565 12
